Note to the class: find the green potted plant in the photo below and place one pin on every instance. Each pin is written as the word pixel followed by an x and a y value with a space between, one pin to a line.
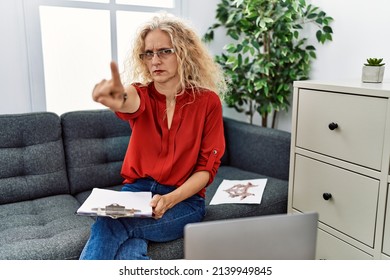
pixel 269 51
pixel 373 70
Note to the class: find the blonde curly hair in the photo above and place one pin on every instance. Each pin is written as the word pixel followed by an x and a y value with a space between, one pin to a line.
pixel 196 67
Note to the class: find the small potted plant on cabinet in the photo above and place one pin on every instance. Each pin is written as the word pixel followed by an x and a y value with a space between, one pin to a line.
pixel 373 70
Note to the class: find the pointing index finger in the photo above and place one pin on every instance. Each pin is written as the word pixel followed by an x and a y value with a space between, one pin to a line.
pixel 115 73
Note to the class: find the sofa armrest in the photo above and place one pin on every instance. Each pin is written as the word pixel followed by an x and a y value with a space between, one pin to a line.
pixel 257 149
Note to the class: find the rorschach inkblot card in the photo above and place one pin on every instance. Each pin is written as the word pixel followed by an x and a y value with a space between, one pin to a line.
pixel 239 191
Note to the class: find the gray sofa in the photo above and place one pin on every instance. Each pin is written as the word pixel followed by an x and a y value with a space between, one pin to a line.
pixel 49 164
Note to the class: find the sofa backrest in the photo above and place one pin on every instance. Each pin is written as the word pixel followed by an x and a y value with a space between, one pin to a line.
pixel 257 149
pixel 95 144
pixel 32 162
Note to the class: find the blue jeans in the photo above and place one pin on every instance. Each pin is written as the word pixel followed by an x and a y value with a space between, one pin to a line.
pixel 127 238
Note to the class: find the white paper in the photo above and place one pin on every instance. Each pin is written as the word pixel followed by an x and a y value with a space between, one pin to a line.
pixel 240 191
pixel 100 198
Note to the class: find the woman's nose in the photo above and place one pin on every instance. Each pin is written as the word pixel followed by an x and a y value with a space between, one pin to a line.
pixel 156 59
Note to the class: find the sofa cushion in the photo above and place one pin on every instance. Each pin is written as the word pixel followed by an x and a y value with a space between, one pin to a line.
pixel 257 149
pixel 274 200
pixel 95 144
pixel 32 163
pixel 45 228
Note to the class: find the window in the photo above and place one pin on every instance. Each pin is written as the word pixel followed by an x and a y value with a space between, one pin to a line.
pixel 76 42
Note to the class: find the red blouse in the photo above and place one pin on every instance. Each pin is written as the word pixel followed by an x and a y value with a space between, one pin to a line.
pixel 195 141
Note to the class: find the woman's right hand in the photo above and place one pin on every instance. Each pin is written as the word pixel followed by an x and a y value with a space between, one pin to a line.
pixel 111 93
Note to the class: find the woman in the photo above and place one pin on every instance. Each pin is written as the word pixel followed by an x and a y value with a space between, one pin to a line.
pixel 177 136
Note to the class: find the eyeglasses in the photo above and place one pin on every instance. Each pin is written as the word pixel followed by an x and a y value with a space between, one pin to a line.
pixel 164 53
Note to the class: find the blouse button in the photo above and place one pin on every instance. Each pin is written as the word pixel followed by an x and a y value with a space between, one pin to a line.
pixel 215 152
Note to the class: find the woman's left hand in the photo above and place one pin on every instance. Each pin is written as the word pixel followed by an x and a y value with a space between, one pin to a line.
pixel 160 205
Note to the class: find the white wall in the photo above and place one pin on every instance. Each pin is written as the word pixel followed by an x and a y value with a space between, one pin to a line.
pixel 361 30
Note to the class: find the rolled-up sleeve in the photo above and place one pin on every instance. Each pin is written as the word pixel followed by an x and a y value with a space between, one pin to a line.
pixel 213 140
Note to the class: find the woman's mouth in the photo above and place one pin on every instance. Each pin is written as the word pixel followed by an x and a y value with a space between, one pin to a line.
pixel 157 72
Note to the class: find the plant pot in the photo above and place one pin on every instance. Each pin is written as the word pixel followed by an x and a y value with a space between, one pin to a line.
pixel 372 74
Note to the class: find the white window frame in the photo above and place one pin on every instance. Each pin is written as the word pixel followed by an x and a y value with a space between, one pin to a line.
pixel 34 37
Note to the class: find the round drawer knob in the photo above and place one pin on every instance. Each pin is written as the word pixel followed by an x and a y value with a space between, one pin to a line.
pixel 327 196
pixel 333 126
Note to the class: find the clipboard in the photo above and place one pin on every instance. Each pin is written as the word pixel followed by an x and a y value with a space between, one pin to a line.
pixel 117 204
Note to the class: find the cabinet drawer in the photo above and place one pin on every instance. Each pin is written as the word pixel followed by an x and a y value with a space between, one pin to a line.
pixel 332 248
pixel 353 204
pixel 361 126
pixel 386 235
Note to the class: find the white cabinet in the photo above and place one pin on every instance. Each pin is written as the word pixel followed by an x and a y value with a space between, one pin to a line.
pixel 386 238
pixel 339 166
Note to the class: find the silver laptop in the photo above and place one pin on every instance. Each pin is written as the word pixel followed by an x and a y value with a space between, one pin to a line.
pixel 271 237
